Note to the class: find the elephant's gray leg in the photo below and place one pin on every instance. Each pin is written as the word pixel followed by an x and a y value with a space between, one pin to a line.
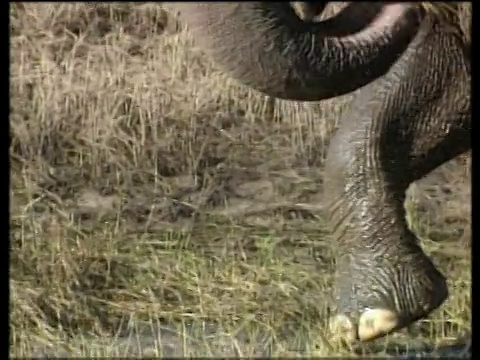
pixel 384 281
pixel 398 129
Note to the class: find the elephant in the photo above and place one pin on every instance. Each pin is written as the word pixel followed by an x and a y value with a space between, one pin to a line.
pixel 411 67
pixel 308 11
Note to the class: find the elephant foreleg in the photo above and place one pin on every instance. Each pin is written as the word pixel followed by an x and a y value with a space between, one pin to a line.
pixel 384 280
pixel 398 130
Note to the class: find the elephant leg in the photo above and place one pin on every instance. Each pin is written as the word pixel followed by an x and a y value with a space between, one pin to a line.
pixel 398 129
pixel 384 281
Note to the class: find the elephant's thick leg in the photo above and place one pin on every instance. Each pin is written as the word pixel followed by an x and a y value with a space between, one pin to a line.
pixel 397 130
pixel 384 280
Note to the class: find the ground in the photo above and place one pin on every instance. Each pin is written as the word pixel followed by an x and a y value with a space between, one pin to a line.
pixel 149 192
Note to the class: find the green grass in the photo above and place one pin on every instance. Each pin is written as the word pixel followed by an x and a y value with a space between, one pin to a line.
pixel 149 190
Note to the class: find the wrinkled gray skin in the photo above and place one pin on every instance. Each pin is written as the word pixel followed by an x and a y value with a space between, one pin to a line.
pixel 411 116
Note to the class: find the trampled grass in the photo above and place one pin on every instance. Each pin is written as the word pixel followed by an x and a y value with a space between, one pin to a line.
pixel 158 207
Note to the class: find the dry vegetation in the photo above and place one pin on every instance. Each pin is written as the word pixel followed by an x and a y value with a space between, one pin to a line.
pixel 150 191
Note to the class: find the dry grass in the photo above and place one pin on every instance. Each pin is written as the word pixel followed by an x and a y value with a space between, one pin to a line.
pixel 150 191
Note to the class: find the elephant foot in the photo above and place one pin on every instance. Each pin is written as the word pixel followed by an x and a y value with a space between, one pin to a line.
pixel 373 323
pixel 382 298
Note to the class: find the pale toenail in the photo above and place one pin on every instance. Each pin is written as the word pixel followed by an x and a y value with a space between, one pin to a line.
pixel 344 328
pixel 376 322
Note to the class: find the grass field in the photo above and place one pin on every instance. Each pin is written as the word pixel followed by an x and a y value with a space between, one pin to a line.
pixel 151 194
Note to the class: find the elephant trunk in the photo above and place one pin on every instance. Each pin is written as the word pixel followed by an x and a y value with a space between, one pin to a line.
pixel 267 47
